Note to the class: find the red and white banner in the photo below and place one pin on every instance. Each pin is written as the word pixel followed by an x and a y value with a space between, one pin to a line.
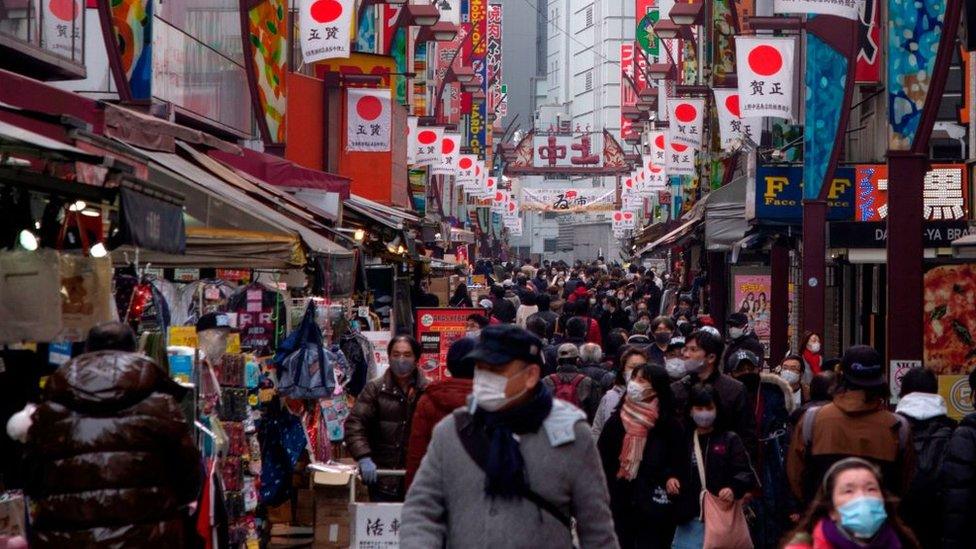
pixel 732 127
pixel 567 200
pixel 681 159
pixel 467 172
pixel 490 187
pixel 848 9
pixel 450 151
pixel 657 174
pixel 369 114
pixel 765 69
pixel 624 220
pixel 425 143
pixel 324 27
pixel 686 118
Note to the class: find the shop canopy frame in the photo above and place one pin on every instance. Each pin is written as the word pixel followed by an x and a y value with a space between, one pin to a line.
pixel 690 221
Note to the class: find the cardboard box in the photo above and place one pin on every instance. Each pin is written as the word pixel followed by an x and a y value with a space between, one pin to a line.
pixel 305 508
pixel 280 514
pixel 335 489
pixel 333 533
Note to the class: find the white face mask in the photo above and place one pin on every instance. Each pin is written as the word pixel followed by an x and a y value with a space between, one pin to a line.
pixel 488 389
pixel 736 333
pixel 675 367
pixel 814 346
pixel 636 391
pixel 790 376
pixel 703 419
pixel 474 333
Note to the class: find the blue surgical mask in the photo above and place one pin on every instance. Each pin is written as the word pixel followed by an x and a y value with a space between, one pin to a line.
pixel 863 516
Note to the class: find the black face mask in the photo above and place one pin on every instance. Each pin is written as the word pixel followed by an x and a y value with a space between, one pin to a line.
pixel 751 381
pixel 662 338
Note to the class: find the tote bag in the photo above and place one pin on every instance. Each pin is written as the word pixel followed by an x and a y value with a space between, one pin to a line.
pixel 725 523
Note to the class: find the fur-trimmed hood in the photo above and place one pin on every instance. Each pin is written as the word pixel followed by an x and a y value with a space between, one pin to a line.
pixel 773 379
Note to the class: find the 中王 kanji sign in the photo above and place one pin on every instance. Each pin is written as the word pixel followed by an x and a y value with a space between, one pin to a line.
pixel 686 116
pixel 765 71
pixel 368 120
pixel 324 28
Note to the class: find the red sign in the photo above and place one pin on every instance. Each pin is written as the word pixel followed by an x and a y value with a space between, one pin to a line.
pixel 868 70
pixel 945 194
pixel 437 329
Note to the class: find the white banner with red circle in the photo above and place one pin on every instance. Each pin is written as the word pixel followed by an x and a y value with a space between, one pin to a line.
pixel 766 76
pixel 324 28
pixel 658 173
pixel 624 220
pixel 425 144
pixel 732 126
pixel 686 119
pixel 681 159
pixel 450 151
pixel 568 200
pixel 848 9
pixel 467 172
pixel 368 114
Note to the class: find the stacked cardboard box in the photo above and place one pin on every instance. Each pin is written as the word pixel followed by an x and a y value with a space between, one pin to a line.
pixel 336 488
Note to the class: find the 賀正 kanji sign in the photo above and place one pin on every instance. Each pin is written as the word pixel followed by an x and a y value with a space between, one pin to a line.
pixel 450 150
pixel 765 71
pixel 686 116
pixel 732 126
pixel 848 9
pixel 369 115
pixel 324 27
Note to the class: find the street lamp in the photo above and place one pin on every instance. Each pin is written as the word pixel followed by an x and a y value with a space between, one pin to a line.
pixel 418 15
pixel 687 14
pixel 647 100
pixel 464 74
pixel 631 113
pixel 661 71
pixel 669 30
pixel 442 31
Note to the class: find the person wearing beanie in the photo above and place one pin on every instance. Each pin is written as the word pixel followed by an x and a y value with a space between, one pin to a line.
pixel 441 398
pixel 855 424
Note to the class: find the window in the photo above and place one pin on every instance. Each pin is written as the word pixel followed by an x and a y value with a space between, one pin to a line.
pixel 550 245
pixel 589 16
pixel 588 81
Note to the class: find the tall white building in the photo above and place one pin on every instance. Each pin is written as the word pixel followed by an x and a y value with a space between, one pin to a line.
pixel 582 86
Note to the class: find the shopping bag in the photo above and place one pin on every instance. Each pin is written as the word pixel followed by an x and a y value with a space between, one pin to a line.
pixel 725 524
pixel 86 294
pixel 304 365
pixel 30 298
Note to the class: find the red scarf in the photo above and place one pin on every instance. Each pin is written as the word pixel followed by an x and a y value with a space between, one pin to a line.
pixel 638 418
pixel 813 359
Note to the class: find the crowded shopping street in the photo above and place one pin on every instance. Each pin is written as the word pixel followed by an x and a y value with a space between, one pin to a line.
pixel 382 274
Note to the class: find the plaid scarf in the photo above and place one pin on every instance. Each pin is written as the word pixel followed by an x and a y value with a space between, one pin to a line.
pixel 638 418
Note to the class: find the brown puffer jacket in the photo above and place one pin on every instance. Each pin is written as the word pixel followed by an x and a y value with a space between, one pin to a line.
pixel 379 425
pixel 109 455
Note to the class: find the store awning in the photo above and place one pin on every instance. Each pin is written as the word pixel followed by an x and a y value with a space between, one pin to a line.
pixel 725 216
pixel 226 249
pixel 14 140
pixel 283 173
pixel 391 217
pixel 689 222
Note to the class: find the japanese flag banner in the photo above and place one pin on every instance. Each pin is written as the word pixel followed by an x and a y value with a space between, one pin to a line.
pixel 512 208
pixel 368 125
pixel 467 171
pixel 681 159
pixel 848 9
pixel 659 149
pixel 515 228
pixel 324 27
pixel 632 202
pixel 732 127
pixel 488 191
pixel 426 145
pixel 499 201
pixel 450 150
pixel 686 118
pixel 623 220
pixel 764 65
pixel 657 177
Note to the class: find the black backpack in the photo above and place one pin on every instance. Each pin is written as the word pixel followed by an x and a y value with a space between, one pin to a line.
pixel 930 445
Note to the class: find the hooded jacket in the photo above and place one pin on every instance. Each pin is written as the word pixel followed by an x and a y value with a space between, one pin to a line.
pixel 959 486
pixel 109 455
pixel 440 398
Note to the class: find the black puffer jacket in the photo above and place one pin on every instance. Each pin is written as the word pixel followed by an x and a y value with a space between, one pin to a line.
pixel 110 457
pixel 959 483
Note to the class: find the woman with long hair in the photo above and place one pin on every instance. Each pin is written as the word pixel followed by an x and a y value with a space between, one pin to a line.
pixel 461 297
pixel 642 446
pixel 852 511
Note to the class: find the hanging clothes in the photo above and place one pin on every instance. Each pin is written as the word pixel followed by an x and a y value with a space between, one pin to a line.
pixel 261 317
pixel 359 356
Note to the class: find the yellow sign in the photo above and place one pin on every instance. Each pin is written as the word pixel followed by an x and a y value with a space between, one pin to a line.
pixel 957 394
pixel 234 344
pixel 183 336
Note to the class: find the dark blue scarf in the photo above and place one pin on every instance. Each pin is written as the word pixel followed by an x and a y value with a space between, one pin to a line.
pixel 505 468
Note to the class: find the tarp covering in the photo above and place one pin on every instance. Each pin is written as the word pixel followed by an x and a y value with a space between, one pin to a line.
pixel 725 216
pixel 689 222
pixel 228 249
pixel 283 173
pixel 13 139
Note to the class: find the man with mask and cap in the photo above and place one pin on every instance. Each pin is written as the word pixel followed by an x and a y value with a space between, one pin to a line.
pixel 378 428
pixel 741 337
pixel 505 470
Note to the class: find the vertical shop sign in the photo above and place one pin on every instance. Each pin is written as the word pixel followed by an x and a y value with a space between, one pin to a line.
pixel 437 330
pixel 369 115
pixel 494 56
pixel 478 16
pixel 324 28
pixel 868 70
pixel 628 97
pixel 647 15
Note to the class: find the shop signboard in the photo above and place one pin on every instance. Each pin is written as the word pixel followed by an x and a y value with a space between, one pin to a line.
pixel 750 294
pixel 567 200
pixel 377 525
pixel 945 195
pixel 896 371
pixel 437 329
pixel 779 194
pixel 957 394
pixel 868 70
pixel 874 234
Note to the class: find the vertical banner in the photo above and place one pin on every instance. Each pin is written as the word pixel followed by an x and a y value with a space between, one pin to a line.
pixel 494 58
pixel 63 32
pixel 478 16
pixel 731 125
pixel 448 52
pixel 417 180
pixel 132 30
pixel 267 30
pixel 765 69
pixel 412 144
pixel 647 14
pixel 681 159
pixel 368 113
pixel 825 79
pixel 450 148
pixel 427 146
pixel 848 9
pixel 437 330
pixel 868 70
pixel 467 167
pixel 686 116
pixel 324 28
pixel 628 97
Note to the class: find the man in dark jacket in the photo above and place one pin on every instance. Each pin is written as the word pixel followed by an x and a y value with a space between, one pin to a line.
pixel 569 383
pixel 741 336
pixel 926 411
pixel 613 316
pixel 959 483
pixel 545 313
pixel 591 364
pixel 855 424
pixel 110 457
pixel 662 330
pixel 701 353
pixel 378 427
pixel 575 334
pixel 501 308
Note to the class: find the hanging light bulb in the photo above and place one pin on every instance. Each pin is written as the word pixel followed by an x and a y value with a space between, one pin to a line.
pixel 98 250
pixel 401 249
pixel 77 206
pixel 28 240
pixel 91 212
pixel 359 235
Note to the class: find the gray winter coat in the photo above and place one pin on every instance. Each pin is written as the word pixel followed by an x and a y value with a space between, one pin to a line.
pixel 447 506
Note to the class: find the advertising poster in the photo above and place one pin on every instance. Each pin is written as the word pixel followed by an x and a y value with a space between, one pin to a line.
pixel 380 340
pixel 437 329
pixel 949 345
pixel 957 394
pixel 750 294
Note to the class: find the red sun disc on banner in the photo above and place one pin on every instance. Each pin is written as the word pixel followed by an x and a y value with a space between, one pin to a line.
pixel 629 183
pixel 63 9
pixel 732 103
pixel 427 137
pixel 628 215
pixel 659 141
pixel 326 11
pixel 369 107
pixel 685 112
pixel 465 163
pixel 679 147
pixel 499 196
pixel 511 206
pixel 655 169
pixel 570 194
pixel 617 216
pixel 491 182
pixel 765 60
pixel 447 146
